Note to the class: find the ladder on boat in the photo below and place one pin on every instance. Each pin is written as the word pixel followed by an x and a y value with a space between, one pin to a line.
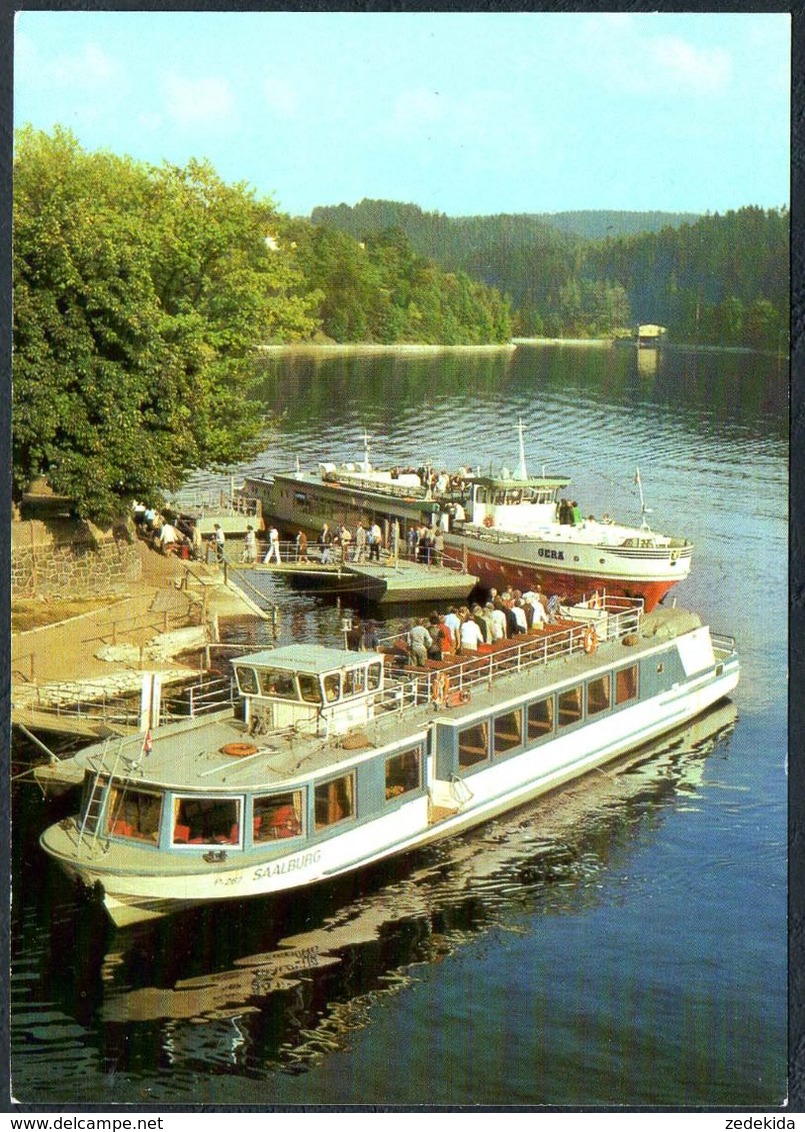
pixel 92 811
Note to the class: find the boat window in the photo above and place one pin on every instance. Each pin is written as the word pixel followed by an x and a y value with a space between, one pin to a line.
pixel 473 744
pixel 570 706
pixel 626 685
pixel 598 692
pixel 508 732
pixel 540 718
pixel 335 800
pixel 309 687
pixel 403 773
pixel 373 675
pixel 134 813
pixel 247 681
pixel 206 821
pixel 354 681
pixel 332 686
pixel 277 815
pixel 277 682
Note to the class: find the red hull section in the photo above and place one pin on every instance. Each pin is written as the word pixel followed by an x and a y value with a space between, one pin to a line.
pixel 500 575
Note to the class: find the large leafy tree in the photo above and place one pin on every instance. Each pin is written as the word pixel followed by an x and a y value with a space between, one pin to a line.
pixel 140 294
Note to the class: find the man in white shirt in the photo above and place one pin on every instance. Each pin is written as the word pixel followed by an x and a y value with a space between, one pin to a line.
pixel 453 623
pixel 471 635
pixel 273 551
pixel 498 619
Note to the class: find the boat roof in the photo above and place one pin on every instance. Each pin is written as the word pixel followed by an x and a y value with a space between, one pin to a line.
pixel 501 483
pixel 311 658
pixel 191 754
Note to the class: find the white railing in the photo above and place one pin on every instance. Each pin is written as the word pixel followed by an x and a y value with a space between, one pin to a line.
pixel 482 668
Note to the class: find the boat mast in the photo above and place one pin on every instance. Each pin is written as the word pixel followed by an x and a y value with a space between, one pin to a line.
pixel 644 511
pixel 523 470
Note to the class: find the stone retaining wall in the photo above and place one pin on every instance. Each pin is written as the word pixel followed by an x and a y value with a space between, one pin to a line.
pixel 75 570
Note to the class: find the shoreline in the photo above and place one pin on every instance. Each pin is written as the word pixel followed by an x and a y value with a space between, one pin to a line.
pixel 381 348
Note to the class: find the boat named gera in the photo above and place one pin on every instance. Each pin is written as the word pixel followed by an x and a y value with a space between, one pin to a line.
pixel 510 531
pixel 333 760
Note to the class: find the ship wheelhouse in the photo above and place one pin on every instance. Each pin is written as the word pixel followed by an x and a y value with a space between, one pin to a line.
pixel 514 504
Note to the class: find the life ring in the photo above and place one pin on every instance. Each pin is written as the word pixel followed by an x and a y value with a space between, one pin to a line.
pixel 489 521
pixel 590 639
pixel 441 688
pixel 239 750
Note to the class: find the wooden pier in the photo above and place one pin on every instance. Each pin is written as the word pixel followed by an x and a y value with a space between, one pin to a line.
pixel 384 582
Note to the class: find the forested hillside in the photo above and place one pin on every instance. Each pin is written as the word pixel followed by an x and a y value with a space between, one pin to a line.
pixel 714 279
pixel 380 290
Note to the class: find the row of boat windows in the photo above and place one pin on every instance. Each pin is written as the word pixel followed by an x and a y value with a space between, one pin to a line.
pixel 543 717
pixel 212 822
pixel 503 498
pixel 309 687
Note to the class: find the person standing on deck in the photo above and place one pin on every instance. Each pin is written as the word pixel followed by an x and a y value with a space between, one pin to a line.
pixel 375 540
pixel 453 623
pixel 419 641
pixel 360 543
pixel 471 635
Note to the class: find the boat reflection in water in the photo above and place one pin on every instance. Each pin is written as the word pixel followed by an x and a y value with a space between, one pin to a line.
pixel 224 987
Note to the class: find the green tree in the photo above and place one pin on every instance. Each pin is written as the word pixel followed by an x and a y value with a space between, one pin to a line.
pixel 139 296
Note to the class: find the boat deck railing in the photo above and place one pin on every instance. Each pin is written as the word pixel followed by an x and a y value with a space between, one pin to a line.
pixel 447 682
pixel 723 644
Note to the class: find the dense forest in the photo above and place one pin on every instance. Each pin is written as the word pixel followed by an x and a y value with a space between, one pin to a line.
pixel 711 279
pixel 380 290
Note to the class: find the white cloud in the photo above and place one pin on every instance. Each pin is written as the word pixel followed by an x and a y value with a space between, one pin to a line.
pixel 192 102
pixel 89 69
pixel 629 56
pixel 694 69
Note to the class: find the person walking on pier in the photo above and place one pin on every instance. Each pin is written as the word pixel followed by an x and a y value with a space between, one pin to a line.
pixel 250 545
pixel 273 552
pixel 219 542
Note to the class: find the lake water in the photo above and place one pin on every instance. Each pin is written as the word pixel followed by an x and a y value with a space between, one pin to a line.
pixel 622 942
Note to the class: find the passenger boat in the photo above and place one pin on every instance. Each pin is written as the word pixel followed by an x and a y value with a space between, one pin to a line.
pixel 333 760
pixel 506 528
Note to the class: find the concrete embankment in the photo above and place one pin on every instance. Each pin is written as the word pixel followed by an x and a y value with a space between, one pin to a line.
pixel 103 654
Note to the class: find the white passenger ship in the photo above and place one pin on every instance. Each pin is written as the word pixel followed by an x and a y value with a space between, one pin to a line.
pixel 506 528
pixel 333 759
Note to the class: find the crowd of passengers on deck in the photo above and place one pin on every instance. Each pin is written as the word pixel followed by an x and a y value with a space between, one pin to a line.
pixel 462 630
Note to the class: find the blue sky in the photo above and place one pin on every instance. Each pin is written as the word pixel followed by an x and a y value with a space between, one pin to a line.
pixel 463 113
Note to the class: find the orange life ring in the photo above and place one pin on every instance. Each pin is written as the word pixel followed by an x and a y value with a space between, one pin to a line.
pixel 441 688
pixel 489 521
pixel 239 750
pixel 590 639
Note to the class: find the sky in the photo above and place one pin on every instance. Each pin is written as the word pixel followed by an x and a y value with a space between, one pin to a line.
pixel 465 113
